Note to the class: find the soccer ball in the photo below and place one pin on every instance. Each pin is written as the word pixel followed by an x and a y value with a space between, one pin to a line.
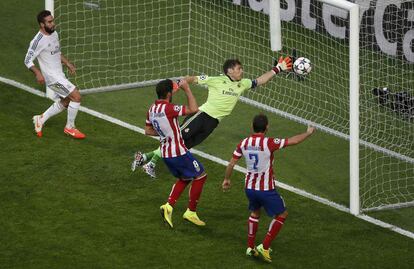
pixel 302 66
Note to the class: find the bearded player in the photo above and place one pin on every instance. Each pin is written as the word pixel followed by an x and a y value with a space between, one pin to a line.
pixel 45 47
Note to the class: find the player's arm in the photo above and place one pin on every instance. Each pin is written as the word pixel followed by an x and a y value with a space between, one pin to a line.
pixel 191 79
pixel 229 171
pixel 31 55
pixel 39 77
pixel 294 140
pixel 284 64
pixel 149 130
pixel 192 106
pixel 71 67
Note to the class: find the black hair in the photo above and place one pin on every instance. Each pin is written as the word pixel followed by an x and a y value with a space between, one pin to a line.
pixel 230 63
pixel 42 15
pixel 260 123
pixel 163 88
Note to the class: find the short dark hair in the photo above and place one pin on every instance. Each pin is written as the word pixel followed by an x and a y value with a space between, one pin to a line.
pixel 260 123
pixel 42 15
pixel 163 88
pixel 230 63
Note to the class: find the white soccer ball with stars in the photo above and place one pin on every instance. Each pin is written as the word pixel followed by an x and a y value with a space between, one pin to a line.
pixel 302 66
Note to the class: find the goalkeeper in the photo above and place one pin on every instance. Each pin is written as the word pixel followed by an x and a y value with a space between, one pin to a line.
pixel 223 93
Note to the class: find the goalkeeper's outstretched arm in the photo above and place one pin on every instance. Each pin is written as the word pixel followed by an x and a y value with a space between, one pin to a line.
pixel 284 64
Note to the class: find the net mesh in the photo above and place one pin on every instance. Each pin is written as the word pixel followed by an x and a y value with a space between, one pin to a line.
pixel 124 41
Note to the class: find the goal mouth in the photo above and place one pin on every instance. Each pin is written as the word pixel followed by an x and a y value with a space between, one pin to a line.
pixel 123 45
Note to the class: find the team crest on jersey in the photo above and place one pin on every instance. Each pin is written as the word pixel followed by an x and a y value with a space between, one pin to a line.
pixel 186 130
pixel 177 108
pixel 276 140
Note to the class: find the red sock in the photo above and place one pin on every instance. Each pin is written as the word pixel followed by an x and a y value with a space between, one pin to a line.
pixel 274 229
pixel 176 191
pixel 252 225
pixel 195 192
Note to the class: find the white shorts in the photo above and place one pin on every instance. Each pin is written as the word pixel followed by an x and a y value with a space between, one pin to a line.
pixel 62 87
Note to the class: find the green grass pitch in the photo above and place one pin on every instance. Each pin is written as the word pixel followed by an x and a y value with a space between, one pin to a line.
pixel 76 204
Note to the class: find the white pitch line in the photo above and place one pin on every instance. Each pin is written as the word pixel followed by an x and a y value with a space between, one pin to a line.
pixel 223 162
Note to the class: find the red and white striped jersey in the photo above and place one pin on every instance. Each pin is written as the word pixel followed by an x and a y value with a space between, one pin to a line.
pixel 163 117
pixel 258 152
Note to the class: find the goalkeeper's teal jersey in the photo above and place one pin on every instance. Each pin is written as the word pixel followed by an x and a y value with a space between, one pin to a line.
pixel 223 94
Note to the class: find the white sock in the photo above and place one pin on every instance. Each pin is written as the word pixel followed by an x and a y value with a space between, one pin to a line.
pixel 72 112
pixel 54 109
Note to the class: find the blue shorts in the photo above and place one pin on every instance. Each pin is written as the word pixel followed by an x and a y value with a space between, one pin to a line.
pixel 271 201
pixel 184 166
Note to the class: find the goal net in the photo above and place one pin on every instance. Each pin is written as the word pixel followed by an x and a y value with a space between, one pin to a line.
pixel 387 117
pixel 125 43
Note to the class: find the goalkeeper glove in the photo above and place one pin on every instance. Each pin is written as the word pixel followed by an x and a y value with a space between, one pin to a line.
pixel 283 64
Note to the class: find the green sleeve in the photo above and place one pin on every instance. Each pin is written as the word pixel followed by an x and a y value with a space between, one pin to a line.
pixel 246 83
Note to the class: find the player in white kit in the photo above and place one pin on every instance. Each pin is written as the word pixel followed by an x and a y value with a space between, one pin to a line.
pixel 45 47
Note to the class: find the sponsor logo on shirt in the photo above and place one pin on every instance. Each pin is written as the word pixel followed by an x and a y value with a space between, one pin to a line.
pixel 57 50
pixel 230 91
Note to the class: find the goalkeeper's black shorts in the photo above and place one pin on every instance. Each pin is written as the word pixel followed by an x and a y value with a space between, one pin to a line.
pixel 197 127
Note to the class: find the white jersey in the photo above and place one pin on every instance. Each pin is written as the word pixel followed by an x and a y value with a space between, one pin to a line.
pixel 46 48
pixel 258 152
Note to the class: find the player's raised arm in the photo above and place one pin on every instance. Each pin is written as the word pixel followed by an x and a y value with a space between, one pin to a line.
pixel 192 103
pixel 191 79
pixel 294 140
pixel 284 64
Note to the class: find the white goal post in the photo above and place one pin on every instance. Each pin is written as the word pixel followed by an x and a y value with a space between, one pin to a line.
pixel 276 45
pixel 122 44
pixel 353 100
